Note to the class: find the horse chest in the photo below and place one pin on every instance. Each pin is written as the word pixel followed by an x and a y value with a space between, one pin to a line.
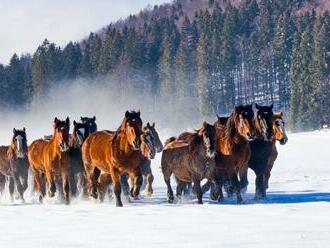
pixel 261 151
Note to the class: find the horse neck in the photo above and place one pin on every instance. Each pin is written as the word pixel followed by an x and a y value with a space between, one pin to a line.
pixel 228 137
pixel 122 141
pixel 258 129
pixel 54 144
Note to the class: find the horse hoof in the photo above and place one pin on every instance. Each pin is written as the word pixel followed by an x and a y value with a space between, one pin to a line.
pixel 170 200
pixel 51 194
pixel 200 202
pixel 119 204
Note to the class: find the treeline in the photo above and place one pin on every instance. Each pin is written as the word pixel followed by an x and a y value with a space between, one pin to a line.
pixel 261 51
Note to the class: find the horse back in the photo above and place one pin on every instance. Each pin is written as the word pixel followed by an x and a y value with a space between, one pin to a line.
pixel 96 149
pixel 36 154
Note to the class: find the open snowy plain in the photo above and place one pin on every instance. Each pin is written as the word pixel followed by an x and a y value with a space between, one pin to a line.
pixel 296 212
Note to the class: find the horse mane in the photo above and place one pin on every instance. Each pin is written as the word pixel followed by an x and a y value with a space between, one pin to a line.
pixel 169 140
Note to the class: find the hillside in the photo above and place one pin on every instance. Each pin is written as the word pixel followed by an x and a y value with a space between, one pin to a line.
pixel 196 58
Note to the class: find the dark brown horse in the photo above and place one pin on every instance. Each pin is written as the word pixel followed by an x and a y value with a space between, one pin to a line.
pixel 14 163
pixel 261 149
pixel 146 171
pixel 264 152
pixel 50 158
pixel 80 132
pixel 233 148
pixel 190 161
pixel 115 153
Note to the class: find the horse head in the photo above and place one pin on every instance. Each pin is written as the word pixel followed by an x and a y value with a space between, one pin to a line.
pixel 19 143
pixel 148 148
pixel 158 143
pixel 90 123
pixel 132 127
pixel 208 135
pixel 264 121
pixel 61 133
pixel 79 134
pixel 279 129
pixel 243 118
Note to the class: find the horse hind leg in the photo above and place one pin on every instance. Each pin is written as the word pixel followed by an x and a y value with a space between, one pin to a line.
pixel 124 184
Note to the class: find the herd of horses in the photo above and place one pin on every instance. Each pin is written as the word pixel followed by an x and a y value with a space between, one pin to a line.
pixel 99 163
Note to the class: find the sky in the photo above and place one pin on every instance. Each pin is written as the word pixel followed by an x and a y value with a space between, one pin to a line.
pixel 25 24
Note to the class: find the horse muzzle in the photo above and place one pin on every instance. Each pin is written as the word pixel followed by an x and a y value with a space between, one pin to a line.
pixel 136 145
pixel 283 141
pixel 64 147
pixel 20 154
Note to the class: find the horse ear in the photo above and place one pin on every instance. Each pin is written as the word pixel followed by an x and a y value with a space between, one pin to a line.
pixel 257 106
pixel 24 129
pixel 153 124
pixel 238 108
pixel 14 130
pixel 205 124
pixel 67 120
pixel 74 122
pixel 81 118
pixel 148 125
pixel 271 106
pixel 218 117
pixel 94 118
pixel 126 114
pixel 139 113
pixel 281 114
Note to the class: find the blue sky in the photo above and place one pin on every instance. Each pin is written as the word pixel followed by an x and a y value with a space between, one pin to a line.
pixel 26 23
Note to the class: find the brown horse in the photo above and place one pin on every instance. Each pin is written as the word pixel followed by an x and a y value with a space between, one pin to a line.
pixel 50 158
pixel 233 148
pixel 14 163
pixel 263 149
pixel 115 153
pixel 190 161
pixel 148 151
pixel 77 171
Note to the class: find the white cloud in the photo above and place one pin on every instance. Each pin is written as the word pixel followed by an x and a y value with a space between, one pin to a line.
pixel 25 24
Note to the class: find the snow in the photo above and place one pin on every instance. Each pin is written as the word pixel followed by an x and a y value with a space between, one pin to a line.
pixel 295 213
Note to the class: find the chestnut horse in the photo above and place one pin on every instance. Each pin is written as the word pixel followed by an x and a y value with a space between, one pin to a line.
pixel 14 163
pixel 148 151
pixel 190 161
pixel 77 171
pixel 115 153
pixel 233 148
pixel 50 158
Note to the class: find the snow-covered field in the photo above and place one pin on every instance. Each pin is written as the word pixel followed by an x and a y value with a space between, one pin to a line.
pixel 295 214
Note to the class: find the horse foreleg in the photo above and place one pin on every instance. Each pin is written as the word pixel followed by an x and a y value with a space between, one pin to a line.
pixel 11 188
pixel 243 173
pixel 124 183
pixel 19 186
pixel 65 184
pixel 198 189
pixel 115 176
pixel 236 186
pixel 137 183
pixel 51 183
pixel 260 186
